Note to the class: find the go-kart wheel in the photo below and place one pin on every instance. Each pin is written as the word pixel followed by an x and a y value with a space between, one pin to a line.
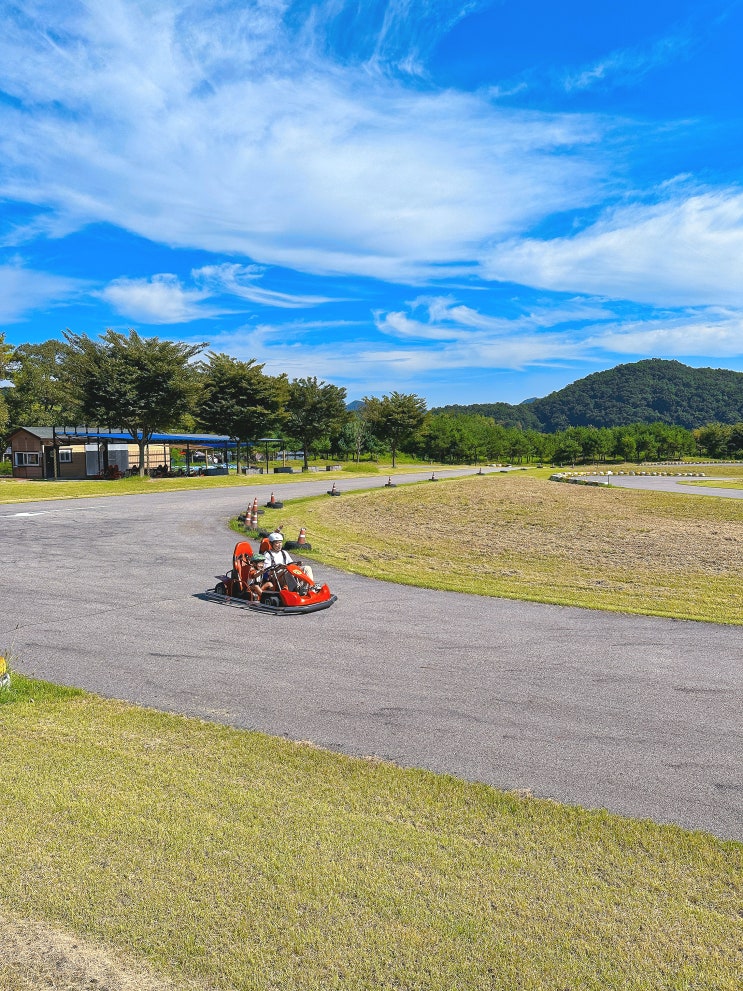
pixel 269 599
pixel 220 588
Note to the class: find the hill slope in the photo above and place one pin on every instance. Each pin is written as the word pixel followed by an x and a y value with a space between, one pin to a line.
pixel 650 391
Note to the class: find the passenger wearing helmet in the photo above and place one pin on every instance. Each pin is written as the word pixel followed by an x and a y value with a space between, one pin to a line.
pixel 276 555
pixel 255 583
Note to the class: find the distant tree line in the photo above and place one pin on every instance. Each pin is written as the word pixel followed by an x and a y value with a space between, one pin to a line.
pixel 146 385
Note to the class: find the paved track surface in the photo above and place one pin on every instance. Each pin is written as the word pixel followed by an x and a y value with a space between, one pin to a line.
pixel 639 715
pixel 669 484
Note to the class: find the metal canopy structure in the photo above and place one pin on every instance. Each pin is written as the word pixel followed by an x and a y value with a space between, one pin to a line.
pixel 267 441
pixel 68 434
pixel 96 433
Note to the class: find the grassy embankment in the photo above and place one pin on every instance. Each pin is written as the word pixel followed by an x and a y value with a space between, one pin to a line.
pixel 524 537
pixel 176 849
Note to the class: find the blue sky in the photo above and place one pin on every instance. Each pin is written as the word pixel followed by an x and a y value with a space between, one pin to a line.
pixel 474 201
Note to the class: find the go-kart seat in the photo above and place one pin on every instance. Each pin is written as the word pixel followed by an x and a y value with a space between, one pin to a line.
pixel 241 567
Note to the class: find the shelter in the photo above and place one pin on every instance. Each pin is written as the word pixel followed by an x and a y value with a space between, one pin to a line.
pixel 90 452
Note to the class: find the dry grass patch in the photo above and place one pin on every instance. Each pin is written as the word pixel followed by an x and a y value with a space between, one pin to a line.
pixel 524 537
pixel 36 956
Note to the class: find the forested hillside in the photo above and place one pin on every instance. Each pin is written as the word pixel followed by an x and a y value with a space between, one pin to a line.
pixel 650 391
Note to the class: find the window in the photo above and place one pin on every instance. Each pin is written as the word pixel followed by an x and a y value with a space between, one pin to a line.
pixel 25 458
pixel 65 454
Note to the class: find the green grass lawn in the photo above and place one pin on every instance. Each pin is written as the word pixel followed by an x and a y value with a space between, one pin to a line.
pixel 235 860
pixel 718 484
pixel 23 490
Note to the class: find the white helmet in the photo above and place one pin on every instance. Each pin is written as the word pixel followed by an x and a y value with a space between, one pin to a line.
pixel 276 535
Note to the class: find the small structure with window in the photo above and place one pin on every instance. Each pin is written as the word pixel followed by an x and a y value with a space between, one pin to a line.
pixel 86 452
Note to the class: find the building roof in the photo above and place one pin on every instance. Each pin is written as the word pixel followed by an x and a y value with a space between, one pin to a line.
pixel 70 434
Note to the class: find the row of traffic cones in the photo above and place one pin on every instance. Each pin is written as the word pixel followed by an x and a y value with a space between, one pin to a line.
pixel 251 515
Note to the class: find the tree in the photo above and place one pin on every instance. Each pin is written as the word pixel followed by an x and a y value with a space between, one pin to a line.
pixel 5 354
pixel 40 394
pixel 141 384
pixel 315 410
pixel 713 439
pixel 355 437
pixel 395 418
pixel 237 399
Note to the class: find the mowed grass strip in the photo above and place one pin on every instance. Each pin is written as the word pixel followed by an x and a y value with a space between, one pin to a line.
pixel 524 537
pixel 22 490
pixel 235 860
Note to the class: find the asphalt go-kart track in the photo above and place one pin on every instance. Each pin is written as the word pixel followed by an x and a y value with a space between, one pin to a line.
pixel 638 715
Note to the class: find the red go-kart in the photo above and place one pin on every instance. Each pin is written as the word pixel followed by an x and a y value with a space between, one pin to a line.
pixel 292 591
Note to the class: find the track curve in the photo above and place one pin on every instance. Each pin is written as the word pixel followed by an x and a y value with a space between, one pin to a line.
pixel 638 715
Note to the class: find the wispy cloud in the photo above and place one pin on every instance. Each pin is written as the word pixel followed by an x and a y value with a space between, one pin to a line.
pixel 241 281
pixel 387 35
pixel 708 333
pixel 562 334
pixel 686 249
pixel 628 66
pixel 164 299
pixel 23 290
pixel 199 138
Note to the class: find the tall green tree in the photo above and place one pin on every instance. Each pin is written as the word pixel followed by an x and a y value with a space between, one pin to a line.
pixel 41 396
pixel 141 384
pixel 355 437
pixel 237 399
pixel 396 418
pixel 5 354
pixel 713 439
pixel 315 410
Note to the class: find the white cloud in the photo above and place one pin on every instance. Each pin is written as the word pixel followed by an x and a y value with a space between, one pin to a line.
pixel 574 333
pixel 163 299
pixel 217 129
pixel 710 333
pixel 628 66
pixel 687 250
pixel 23 290
pixel 160 299
pixel 449 320
pixel 240 281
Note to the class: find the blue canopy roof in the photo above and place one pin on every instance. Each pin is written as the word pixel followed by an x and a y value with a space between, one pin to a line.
pixel 93 433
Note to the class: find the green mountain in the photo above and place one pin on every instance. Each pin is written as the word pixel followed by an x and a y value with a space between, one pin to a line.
pixel 649 391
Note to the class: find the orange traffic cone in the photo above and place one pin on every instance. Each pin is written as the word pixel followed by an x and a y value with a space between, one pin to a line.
pixel 254 514
pixel 302 538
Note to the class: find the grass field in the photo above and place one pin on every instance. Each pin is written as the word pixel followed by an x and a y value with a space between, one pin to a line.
pixel 521 536
pixel 150 847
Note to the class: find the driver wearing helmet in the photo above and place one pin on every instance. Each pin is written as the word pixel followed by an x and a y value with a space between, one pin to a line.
pixel 276 555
